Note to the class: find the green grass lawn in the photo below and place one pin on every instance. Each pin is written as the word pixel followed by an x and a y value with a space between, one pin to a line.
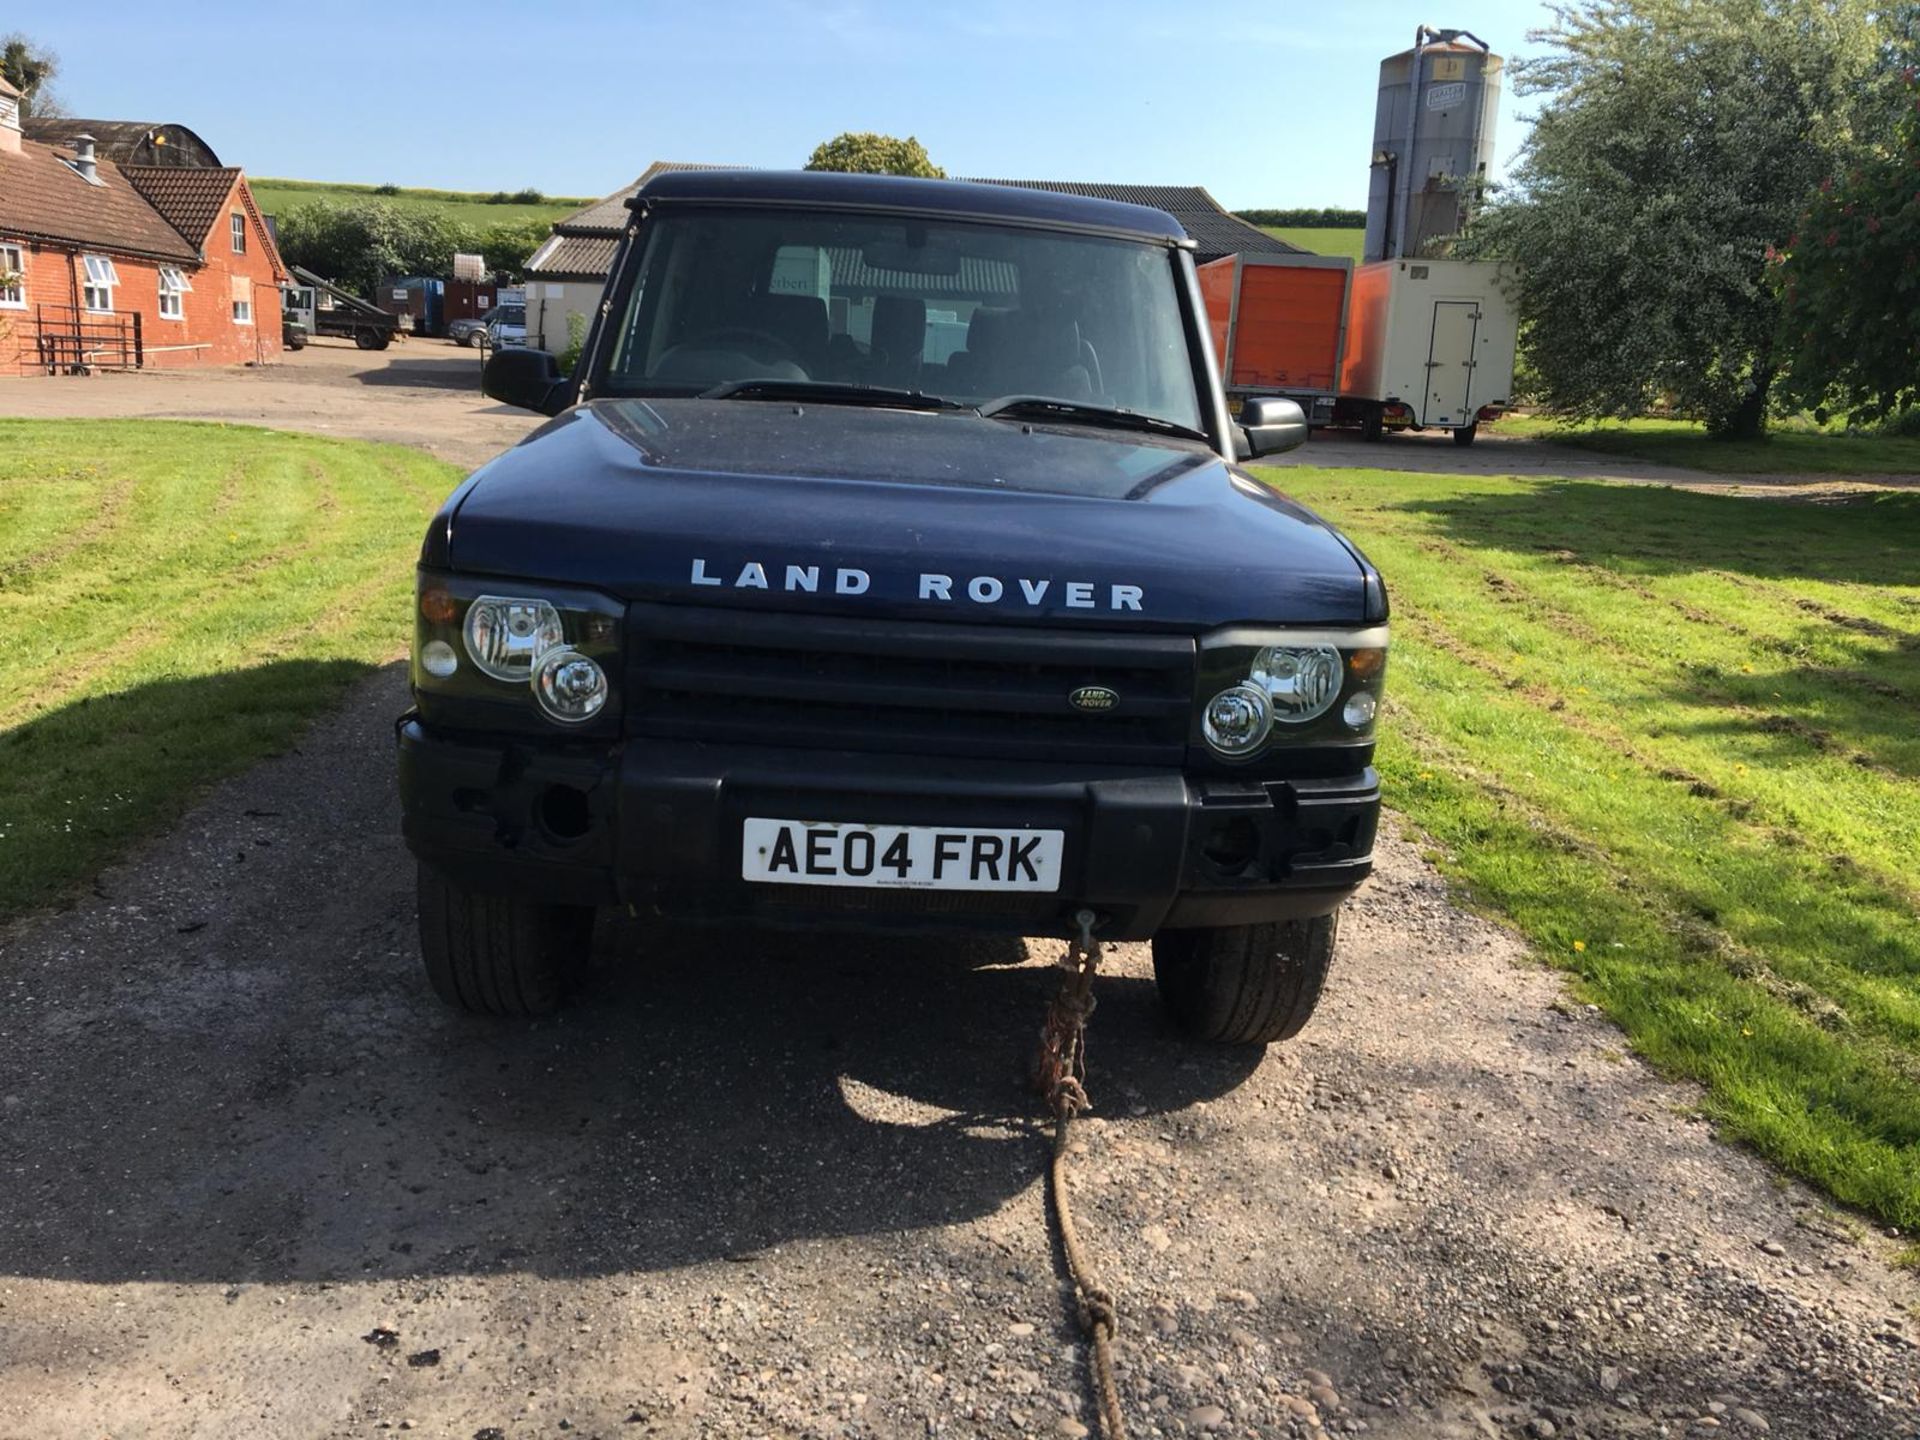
pixel 1675 739
pixel 178 601
pixel 276 197
pixel 1685 442
pixel 1350 243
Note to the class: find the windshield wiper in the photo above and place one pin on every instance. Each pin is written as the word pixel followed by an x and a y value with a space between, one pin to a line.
pixel 1080 413
pixel 830 392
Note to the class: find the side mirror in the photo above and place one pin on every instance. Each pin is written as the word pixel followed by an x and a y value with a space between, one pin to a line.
pixel 1270 426
pixel 530 379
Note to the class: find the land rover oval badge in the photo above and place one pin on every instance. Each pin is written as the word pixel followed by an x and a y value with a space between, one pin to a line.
pixel 1093 697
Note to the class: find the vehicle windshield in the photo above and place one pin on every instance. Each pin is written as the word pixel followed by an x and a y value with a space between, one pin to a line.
pixel 964 312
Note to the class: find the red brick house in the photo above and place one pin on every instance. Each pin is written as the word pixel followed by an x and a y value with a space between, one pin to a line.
pixel 106 264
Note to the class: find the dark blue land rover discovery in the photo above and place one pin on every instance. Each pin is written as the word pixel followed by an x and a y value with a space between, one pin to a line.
pixel 887 565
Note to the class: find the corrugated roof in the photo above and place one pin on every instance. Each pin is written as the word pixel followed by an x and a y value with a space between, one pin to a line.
pixel 975 276
pixel 189 200
pixel 1215 232
pixel 609 216
pixel 42 197
pixel 574 257
pixel 127 142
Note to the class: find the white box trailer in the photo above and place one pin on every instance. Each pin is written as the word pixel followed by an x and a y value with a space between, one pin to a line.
pixel 1430 344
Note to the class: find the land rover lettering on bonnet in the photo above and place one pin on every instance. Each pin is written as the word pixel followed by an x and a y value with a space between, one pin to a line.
pixel 980 589
pixel 888 563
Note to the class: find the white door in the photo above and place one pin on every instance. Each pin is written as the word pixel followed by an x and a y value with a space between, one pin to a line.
pixel 296 302
pixel 1450 363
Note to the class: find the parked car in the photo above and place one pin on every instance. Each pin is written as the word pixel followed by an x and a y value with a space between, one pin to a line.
pixel 508 326
pixel 783 621
pixel 473 331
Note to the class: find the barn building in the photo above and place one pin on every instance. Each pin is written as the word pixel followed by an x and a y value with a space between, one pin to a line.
pixel 156 258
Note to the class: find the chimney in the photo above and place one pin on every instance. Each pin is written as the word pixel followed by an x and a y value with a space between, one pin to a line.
pixel 83 160
pixel 9 119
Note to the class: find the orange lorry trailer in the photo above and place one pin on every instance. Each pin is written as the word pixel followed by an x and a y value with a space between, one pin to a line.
pixel 1279 326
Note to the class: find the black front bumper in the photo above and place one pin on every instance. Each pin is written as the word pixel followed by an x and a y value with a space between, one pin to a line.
pixel 657 825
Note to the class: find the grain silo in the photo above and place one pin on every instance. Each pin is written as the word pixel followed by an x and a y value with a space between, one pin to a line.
pixel 1432 140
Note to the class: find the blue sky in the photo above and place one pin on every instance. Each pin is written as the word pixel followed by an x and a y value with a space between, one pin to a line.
pixel 1264 104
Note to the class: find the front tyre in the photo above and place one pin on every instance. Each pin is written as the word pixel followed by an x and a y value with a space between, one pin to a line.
pixel 1463 434
pixel 1246 984
pixel 491 954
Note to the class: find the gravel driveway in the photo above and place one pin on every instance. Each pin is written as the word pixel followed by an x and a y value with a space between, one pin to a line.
pixel 255 1181
pixel 424 393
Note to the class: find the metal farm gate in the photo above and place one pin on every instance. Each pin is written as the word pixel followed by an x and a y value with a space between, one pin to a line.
pixel 70 340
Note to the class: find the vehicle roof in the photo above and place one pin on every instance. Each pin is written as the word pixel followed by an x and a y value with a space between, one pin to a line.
pixel 960 198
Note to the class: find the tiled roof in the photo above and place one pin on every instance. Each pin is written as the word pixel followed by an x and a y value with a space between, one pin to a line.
pixel 189 200
pixel 574 257
pixel 1215 232
pixel 43 198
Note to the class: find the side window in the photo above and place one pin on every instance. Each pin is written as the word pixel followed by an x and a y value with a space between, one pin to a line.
pixel 242 294
pixel 173 284
pixel 237 223
pixel 13 276
pixel 101 278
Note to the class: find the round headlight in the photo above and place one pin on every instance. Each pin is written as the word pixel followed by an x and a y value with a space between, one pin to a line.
pixel 506 636
pixel 1359 710
pixel 1302 681
pixel 569 686
pixel 437 659
pixel 1237 720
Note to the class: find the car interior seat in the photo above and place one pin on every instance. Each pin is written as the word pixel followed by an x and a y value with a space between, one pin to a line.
pixel 899 340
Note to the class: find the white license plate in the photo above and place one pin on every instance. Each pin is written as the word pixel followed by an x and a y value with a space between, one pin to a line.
pixel 906 857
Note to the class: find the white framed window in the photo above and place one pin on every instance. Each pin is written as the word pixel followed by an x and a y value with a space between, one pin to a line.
pixel 173 284
pixel 242 294
pixel 102 278
pixel 13 276
pixel 237 224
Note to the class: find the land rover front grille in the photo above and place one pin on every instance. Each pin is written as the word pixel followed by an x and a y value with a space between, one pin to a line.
pixel 907 687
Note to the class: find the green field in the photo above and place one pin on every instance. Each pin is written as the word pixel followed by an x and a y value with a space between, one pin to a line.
pixel 1350 243
pixel 1797 451
pixel 276 197
pixel 179 600
pixel 1670 736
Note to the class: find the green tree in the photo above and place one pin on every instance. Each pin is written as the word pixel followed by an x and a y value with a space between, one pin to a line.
pixel 357 246
pixel 509 246
pixel 864 153
pixel 30 67
pixel 1849 280
pixel 1678 139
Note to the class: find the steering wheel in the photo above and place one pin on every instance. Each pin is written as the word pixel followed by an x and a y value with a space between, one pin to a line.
pixel 728 336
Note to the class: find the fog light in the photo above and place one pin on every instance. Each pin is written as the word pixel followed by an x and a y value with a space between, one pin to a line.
pixel 569 686
pixel 1359 710
pixel 1236 721
pixel 437 659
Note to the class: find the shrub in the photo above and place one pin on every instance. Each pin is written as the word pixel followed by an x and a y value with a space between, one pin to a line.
pixel 576 342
